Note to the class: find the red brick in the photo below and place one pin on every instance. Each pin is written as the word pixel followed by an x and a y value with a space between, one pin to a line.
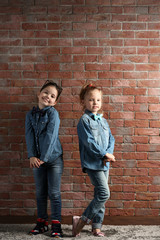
pixel 85 58
pixel 58 9
pixel 136 59
pixel 136 139
pixel 147 196
pixel 85 10
pixel 149 164
pixel 147 67
pixel 124 50
pixel 134 91
pixel 33 26
pixel 154 75
pixel 136 204
pixel 95 34
pixel 121 34
pixel 124 83
pixel 84 26
pixel 119 115
pixel 146 115
pixel 109 26
pixel 147 34
pixel 135 172
pixel 85 42
pixel 144 180
pixel 110 9
pixel 120 2
pixel 136 42
pixel 122 67
pixel 47 67
pixel 122 196
pixel 34 42
pixel 155 124
pixel 135 188
pixel 85 75
pixel 154 204
pixel 148 132
pixel 122 212
pixel 60 42
pixel 148 148
pixel 137 123
pixel 154 59
pixel 123 180
pixel 146 212
pixel 135 75
pixel 110 42
pixel 154 188
pixel 98 50
pixel 123 18
pixel 73 50
pixel 44 34
pixel 97 67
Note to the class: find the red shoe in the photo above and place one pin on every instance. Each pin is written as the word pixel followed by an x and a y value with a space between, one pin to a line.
pixel 56 229
pixel 41 227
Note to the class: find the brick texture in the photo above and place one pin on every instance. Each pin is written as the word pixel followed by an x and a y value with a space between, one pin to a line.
pixel 112 43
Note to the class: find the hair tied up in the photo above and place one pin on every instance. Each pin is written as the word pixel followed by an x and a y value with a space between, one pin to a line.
pixel 91 85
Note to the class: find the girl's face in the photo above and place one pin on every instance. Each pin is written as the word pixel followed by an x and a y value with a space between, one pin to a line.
pixel 47 97
pixel 93 101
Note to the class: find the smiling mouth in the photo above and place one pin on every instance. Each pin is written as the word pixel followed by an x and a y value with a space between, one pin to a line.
pixel 45 100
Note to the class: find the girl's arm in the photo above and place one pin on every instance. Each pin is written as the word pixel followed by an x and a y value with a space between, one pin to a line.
pixel 85 136
pixel 30 138
pixel 110 148
pixel 51 136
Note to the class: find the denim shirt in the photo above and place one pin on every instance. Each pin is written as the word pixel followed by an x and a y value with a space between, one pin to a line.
pixel 95 140
pixel 42 134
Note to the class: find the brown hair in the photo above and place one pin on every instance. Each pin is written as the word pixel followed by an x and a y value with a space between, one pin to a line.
pixel 85 90
pixel 51 83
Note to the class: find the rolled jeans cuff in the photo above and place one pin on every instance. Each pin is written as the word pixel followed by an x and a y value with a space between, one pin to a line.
pixel 85 219
pixel 96 225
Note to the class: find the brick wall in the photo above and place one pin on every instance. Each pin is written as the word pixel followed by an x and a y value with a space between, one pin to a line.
pixel 114 43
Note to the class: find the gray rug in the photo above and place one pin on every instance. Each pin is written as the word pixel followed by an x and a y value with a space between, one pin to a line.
pixel 131 232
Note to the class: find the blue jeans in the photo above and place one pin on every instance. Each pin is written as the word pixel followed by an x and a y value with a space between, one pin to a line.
pixel 96 209
pixel 48 184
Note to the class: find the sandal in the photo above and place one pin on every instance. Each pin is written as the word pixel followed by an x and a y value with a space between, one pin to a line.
pixel 98 234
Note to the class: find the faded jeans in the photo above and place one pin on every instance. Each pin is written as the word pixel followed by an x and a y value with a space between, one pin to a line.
pixel 96 209
pixel 48 184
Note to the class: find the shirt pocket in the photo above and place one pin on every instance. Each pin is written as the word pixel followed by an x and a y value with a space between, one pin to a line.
pixel 94 129
pixel 43 124
pixel 105 129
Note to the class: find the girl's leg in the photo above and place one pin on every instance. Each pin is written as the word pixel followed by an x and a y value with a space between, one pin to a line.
pixel 96 209
pixel 40 176
pixel 55 171
pixel 98 219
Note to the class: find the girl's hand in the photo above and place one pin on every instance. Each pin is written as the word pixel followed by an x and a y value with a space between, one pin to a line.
pixel 41 162
pixel 35 162
pixel 109 158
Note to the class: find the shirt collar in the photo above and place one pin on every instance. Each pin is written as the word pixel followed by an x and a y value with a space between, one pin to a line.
pixel 40 111
pixel 92 115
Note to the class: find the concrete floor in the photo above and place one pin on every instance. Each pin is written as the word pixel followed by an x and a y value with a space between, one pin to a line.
pixel 130 232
